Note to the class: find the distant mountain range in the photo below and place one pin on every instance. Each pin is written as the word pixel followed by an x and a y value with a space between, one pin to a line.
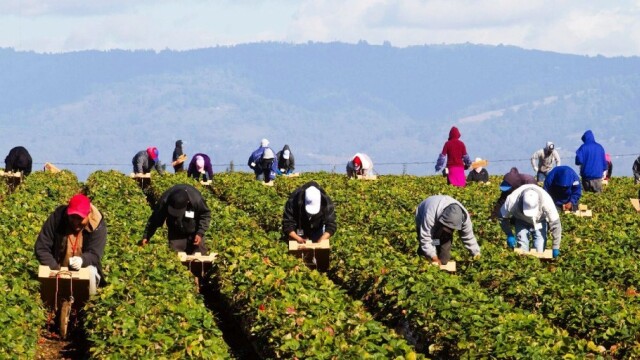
pixel 93 110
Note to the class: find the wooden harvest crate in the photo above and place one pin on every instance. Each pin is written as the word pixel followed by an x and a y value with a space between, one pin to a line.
pixel 636 204
pixel 198 264
pixel 583 211
pixel 67 282
pixel 450 267
pixel 291 175
pixel 367 177
pixel 546 255
pixel 314 255
pixel 182 158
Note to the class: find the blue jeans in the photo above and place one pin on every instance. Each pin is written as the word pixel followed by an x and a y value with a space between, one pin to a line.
pixel 540 176
pixel 523 230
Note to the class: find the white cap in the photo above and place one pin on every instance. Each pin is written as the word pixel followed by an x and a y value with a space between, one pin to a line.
pixel 264 142
pixel 267 154
pixel 285 154
pixel 312 200
pixel 530 200
pixel 477 159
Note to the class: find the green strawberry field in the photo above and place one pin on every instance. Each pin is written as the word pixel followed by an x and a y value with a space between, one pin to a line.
pixel 377 300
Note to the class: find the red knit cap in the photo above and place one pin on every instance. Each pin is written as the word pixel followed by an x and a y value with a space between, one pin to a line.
pixel 357 163
pixel 79 205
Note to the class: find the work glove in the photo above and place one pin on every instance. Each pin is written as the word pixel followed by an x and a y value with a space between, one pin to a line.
pixel 556 253
pixel 511 241
pixel 75 263
pixel 253 165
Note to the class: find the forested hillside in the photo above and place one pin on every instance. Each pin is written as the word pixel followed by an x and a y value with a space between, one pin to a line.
pixel 326 100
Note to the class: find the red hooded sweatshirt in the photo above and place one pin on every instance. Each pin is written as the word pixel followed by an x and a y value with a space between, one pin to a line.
pixel 454 149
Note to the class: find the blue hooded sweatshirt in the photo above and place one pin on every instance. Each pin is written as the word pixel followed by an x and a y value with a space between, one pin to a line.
pixel 563 184
pixel 590 157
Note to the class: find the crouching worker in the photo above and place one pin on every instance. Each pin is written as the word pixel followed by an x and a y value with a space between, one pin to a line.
pixel 437 217
pixel 563 185
pixel 74 236
pixel 187 216
pixel 309 214
pixel 533 210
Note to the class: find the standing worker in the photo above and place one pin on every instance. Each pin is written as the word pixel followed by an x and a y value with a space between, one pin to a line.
pixel 309 214
pixel 543 160
pixel 455 153
pixel 607 173
pixel 636 170
pixel 360 164
pixel 200 167
pixel 286 161
pixel 145 160
pixel 591 158
pixel 178 157
pixel 437 217
pixel 533 211
pixel 262 162
pixel 18 159
pixel 74 236
pixel 563 184
pixel 186 215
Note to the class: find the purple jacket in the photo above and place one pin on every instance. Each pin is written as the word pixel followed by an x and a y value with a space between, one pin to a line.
pixel 193 168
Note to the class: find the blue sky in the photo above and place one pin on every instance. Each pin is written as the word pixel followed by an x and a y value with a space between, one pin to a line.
pixel 585 27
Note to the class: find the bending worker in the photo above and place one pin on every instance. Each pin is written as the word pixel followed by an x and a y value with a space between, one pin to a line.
pixel 309 214
pixel 563 184
pixel 74 236
pixel 187 216
pixel 533 211
pixel 437 217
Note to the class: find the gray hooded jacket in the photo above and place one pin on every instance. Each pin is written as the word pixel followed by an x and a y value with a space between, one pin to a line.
pixel 429 212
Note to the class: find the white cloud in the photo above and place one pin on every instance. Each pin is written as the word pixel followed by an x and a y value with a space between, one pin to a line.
pixel 570 26
pixel 573 26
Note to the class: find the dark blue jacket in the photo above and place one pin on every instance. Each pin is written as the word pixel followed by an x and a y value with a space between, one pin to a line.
pixel 590 157
pixel 563 184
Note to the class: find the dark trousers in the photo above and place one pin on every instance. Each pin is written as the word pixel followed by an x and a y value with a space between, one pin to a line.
pixel 593 185
pixel 443 251
pixel 186 245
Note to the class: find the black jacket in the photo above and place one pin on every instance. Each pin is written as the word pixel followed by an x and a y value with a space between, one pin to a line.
pixel 180 228
pixel 286 164
pixel 18 159
pixel 177 152
pixel 51 245
pixel 482 176
pixel 295 216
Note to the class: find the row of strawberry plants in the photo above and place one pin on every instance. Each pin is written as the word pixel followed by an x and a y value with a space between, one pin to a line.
pixel 21 217
pixel 569 297
pixel 150 307
pixel 437 311
pixel 286 310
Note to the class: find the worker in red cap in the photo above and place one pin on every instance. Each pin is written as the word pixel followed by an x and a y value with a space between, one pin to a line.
pixel 74 236
pixel 360 164
pixel 145 160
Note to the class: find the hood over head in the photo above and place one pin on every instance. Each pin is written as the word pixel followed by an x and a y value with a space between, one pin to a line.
pixel 454 133
pixel 588 137
pixel 179 143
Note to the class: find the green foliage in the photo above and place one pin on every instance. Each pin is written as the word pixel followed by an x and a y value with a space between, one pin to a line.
pixel 286 310
pixel 150 307
pixel 21 217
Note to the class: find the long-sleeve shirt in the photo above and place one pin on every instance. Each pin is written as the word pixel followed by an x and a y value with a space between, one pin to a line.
pixel 428 213
pixel 547 211
pixel 542 162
